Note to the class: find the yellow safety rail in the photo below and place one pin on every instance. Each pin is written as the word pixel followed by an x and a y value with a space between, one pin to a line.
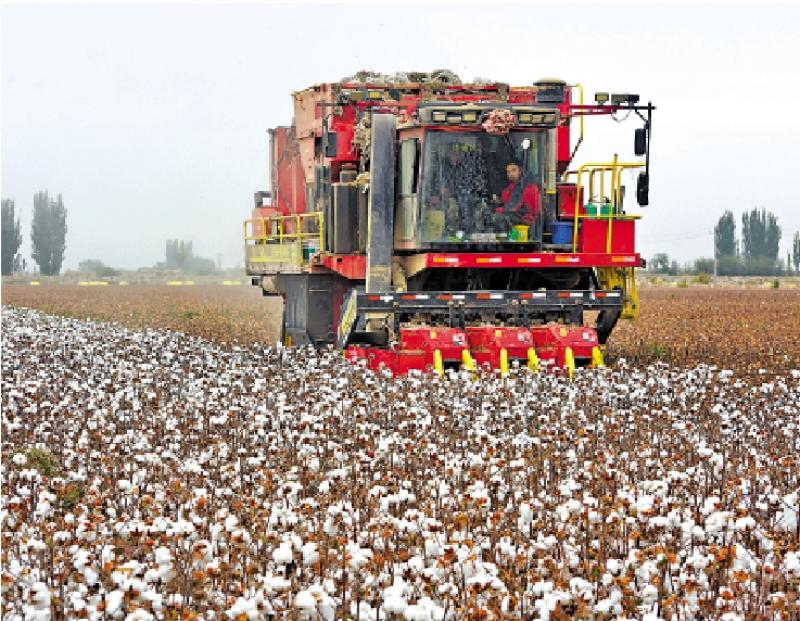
pixel 615 167
pixel 286 230
pixel 580 137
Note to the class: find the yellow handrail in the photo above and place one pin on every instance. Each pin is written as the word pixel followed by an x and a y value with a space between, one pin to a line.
pixel 580 138
pixel 615 167
pixel 273 229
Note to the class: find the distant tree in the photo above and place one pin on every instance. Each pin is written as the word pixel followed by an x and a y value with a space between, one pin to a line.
pixel 761 235
pixel 660 263
pixel 11 238
pixel 48 233
pixel 704 266
pixel 96 267
pixel 796 252
pixel 178 253
pixel 730 265
pixel 200 266
pixel 725 236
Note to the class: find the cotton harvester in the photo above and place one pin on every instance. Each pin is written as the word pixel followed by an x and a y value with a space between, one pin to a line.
pixel 417 222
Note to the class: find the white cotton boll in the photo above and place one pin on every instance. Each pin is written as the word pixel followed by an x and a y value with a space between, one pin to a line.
pixel 659 521
pixel 581 587
pixel 649 594
pixel 90 576
pixel 791 564
pixel 644 504
pixel 745 523
pixel 20 459
pixel 525 514
pixel 163 556
pixel 432 548
pixel 40 596
pixel 610 604
pixel 394 604
pixel 114 601
pixel 123 485
pixel 140 614
pixel 306 603
pixel 788 516
pixel 310 553
pixel 717 521
pixel 416 564
pixel 417 613
pixel 230 523
pixel 279 583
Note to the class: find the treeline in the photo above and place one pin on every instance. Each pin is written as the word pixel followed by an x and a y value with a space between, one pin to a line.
pixel 48 244
pixel 48 235
pixel 755 253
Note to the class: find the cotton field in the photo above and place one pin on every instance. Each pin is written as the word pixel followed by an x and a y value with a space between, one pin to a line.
pixel 153 475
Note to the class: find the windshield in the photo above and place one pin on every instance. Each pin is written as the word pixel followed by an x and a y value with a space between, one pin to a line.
pixel 478 187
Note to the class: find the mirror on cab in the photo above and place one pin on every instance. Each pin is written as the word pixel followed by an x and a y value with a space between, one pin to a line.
pixel 640 141
pixel 643 189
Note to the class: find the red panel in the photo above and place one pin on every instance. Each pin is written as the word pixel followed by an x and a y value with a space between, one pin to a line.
pixel 551 340
pixel 593 236
pixel 532 259
pixel 417 346
pixel 352 266
pixel 486 342
pixel 289 188
pixel 449 341
pixel 566 201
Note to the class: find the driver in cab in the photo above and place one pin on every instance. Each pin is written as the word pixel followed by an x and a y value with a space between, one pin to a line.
pixel 521 200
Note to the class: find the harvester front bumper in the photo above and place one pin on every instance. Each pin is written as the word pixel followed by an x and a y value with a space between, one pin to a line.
pixel 454 339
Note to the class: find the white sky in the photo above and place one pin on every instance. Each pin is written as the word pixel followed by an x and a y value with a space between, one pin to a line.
pixel 151 119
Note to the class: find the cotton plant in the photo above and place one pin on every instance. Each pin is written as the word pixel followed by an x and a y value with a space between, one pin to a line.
pixel 150 475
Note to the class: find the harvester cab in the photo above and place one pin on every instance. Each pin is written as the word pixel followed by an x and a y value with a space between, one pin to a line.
pixel 416 222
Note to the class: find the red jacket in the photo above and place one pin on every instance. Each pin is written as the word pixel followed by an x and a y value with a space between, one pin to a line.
pixel 528 206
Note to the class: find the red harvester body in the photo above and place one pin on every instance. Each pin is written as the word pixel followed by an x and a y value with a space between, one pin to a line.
pixel 417 222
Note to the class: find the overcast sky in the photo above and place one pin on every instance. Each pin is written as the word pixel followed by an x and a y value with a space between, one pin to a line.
pixel 151 120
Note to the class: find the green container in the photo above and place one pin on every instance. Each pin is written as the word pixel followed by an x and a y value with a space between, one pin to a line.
pixel 594 210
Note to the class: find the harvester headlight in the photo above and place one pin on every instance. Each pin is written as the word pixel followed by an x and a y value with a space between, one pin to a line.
pixel 454 119
pixel 547 119
pixel 632 98
pixel 601 98
pixel 469 117
pixel 438 116
pixel 525 118
pixel 618 98
pixel 375 94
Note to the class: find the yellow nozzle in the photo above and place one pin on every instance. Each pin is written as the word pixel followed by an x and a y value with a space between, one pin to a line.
pixel 438 364
pixel 533 360
pixel 597 357
pixel 569 362
pixel 468 360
